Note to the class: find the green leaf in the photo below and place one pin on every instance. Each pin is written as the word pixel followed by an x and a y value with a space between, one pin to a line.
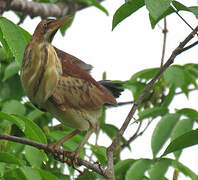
pixel 158 169
pixel 136 88
pixel 32 130
pixel 154 21
pixel 10 70
pixel 11 89
pixel 94 3
pixel 30 173
pixel 35 114
pixel 2 168
pixel 34 156
pixel 194 10
pixel 188 139
pixel 102 118
pixel 10 118
pixel 163 131
pixel 152 112
pixel 122 167
pixel 71 144
pixel 27 36
pixel 190 113
pixel 111 131
pixel 9 158
pixel 14 38
pixel 185 170
pixel 15 174
pixel 169 97
pixel 157 7
pixel 100 153
pixel 13 107
pixel 47 175
pixel 137 169
pixel 174 75
pixel 64 28
pixel 126 10
pixel 145 74
pixel 181 127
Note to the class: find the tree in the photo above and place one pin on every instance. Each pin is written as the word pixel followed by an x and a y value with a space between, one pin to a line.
pixel 153 91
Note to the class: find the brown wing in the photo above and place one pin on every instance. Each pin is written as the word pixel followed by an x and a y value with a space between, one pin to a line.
pixel 77 89
pixel 63 56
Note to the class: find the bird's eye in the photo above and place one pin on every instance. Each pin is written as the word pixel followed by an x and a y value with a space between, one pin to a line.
pixel 45 25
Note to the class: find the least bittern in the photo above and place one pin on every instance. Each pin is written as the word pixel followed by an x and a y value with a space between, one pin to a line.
pixel 60 83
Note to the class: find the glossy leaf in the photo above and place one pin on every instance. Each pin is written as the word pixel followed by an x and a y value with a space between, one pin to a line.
pixel 30 173
pixel 121 168
pixel 14 39
pixel 10 70
pixel 9 158
pixel 64 28
pixel 174 75
pixel 185 170
pixel 152 112
pixel 47 175
pixel 145 74
pixel 154 21
pixel 137 169
pixel 163 131
pixel 126 10
pixel 158 169
pixel 188 139
pixel 181 127
pixel 32 130
pixel 13 107
pixel 12 119
pixel 94 3
pixel 11 89
pixel 136 88
pixel 34 156
pixel 157 7
pixel 111 131
pixel 100 153
pixel 169 97
pixel 188 112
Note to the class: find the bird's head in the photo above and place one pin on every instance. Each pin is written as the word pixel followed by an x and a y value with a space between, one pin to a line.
pixel 46 29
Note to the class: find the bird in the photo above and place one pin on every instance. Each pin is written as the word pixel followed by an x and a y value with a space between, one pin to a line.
pixel 59 83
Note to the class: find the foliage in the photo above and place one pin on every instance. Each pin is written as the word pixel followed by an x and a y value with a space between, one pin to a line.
pixel 18 117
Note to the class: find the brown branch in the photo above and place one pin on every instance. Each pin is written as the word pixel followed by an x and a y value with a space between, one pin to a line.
pixel 112 147
pixel 164 31
pixel 61 153
pixel 132 138
pixel 41 9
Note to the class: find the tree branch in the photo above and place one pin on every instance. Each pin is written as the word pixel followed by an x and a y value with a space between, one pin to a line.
pixel 41 9
pixel 112 147
pixel 164 31
pixel 61 153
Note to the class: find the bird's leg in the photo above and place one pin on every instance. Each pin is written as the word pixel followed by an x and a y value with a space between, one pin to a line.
pixel 81 145
pixel 56 145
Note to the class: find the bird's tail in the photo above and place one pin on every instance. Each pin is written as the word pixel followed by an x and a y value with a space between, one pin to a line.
pixel 114 87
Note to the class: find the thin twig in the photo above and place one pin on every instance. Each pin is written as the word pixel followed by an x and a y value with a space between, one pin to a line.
pixel 93 166
pixel 112 147
pixel 126 143
pixel 164 42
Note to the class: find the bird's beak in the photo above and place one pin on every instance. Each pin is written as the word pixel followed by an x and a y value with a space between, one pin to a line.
pixel 54 26
pixel 58 23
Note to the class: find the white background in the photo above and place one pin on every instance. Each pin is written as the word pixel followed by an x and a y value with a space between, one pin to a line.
pixel 131 47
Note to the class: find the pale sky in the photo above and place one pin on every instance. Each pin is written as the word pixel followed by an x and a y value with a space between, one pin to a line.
pixel 131 47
